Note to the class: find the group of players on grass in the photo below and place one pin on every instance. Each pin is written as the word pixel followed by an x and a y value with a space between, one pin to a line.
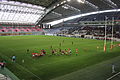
pixel 42 53
pixel 54 52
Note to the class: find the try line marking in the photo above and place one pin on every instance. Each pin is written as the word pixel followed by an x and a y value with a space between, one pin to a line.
pixel 113 76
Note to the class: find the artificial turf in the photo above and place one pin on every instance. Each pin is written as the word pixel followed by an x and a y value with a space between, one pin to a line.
pixel 51 66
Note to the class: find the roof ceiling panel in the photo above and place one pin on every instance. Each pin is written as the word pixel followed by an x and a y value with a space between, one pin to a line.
pixel 116 2
pixel 30 12
pixel 83 7
pixel 65 12
pixel 12 13
pixel 44 3
pixel 102 5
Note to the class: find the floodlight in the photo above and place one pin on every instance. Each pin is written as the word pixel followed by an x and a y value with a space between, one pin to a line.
pixel 58 4
pixel 64 1
pixel 81 1
pixel 68 0
pixel 54 7
pixel 65 7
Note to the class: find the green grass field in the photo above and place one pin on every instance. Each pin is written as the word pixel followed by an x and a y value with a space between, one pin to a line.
pixel 55 66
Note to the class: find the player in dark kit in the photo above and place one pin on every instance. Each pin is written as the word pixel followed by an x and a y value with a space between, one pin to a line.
pixel 72 42
pixel 60 44
pixel 53 52
pixel 27 50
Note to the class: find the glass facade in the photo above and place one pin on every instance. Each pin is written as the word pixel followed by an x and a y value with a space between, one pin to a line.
pixel 16 12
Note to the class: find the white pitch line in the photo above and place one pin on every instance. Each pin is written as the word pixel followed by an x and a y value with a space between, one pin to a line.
pixel 113 76
pixel 30 72
pixel 26 69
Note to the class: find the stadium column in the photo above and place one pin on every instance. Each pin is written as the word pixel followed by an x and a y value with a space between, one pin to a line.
pixel 105 34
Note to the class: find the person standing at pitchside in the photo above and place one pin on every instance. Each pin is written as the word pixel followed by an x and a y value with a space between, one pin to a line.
pixel 13 58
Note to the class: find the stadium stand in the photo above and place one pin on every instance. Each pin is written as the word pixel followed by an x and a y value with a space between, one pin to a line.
pixel 84 32
pixel 3 77
pixel 85 19
pixel 20 30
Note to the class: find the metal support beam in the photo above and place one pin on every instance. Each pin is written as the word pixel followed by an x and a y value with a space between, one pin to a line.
pixel 110 3
pixel 50 9
pixel 92 5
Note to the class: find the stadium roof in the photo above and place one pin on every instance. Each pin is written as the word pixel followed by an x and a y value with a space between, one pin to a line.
pixel 17 12
pixel 81 7
pixel 45 3
pixel 37 11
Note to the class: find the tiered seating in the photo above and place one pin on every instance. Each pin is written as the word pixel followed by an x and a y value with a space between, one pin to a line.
pixel 89 31
pixel 28 30
pixel 19 29
pixel 2 77
pixel 3 29
pixel 23 30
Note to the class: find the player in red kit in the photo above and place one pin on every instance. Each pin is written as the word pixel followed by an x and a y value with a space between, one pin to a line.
pixel 76 51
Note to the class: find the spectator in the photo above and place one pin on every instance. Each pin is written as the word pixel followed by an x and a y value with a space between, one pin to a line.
pixel 113 68
pixel 13 58
pixel 2 64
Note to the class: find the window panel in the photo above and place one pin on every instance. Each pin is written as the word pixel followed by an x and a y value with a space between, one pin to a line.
pixel 16 16
pixel 8 7
pixel 1 13
pixel 23 17
pixel 30 18
pixel 1 5
pixel 27 17
pixel 12 16
pixel 3 16
pixel 11 13
pixel 33 17
pixel 20 17
pixel 5 6
pixel 6 16
pixel 25 9
pixel 36 18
